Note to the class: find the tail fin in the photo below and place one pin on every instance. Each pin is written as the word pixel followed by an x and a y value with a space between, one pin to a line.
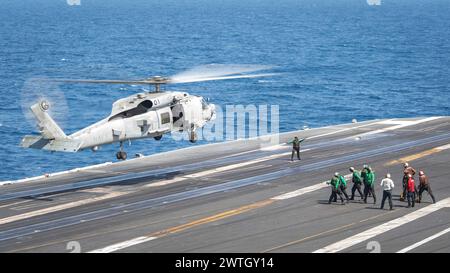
pixel 48 127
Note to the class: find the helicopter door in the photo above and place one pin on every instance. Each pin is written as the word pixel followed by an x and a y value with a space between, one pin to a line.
pixel 164 118
pixel 192 111
pixel 178 117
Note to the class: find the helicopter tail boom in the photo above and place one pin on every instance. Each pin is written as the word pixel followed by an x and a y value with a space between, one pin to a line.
pixel 57 145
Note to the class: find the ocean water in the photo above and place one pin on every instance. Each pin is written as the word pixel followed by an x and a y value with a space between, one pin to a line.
pixel 340 60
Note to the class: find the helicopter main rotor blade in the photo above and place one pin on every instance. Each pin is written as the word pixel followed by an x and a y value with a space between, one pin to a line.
pixel 212 71
pixel 113 81
pixel 204 79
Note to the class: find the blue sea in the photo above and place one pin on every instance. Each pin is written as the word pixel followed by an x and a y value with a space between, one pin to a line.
pixel 339 59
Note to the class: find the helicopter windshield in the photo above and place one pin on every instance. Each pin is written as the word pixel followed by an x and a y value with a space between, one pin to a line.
pixel 204 104
pixel 141 108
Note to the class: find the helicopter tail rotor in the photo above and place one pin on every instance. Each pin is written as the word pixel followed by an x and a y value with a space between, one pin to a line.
pixel 37 90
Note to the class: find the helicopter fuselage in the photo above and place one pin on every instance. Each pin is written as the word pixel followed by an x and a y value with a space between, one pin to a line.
pixel 143 115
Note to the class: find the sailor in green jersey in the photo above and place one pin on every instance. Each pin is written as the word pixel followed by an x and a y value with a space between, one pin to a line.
pixel 364 173
pixel 364 177
pixel 370 187
pixel 335 189
pixel 295 147
pixel 342 187
pixel 357 182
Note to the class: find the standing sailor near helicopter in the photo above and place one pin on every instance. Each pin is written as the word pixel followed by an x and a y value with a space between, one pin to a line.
pixel 425 186
pixel 296 147
pixel 335 189
pixel 357 181
pixel 370 187
pixel 342 187
pixel 407 171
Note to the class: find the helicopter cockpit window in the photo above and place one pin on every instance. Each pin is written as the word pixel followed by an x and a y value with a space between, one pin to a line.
pixel 204 104
pixel 165 118
pixel 141 108
pixel 147 104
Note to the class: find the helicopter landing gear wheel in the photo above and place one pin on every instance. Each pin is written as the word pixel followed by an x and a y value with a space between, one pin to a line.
pixel 121 155
pixel 158 137
pixel 193 136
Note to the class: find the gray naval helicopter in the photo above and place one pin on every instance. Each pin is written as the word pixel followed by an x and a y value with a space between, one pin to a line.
pixel 142 115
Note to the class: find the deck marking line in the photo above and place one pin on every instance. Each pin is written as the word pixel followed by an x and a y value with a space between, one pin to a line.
pixel 375 231
pixel 418 155
pixel 424 241
pixel 210 219
pixel 59 208
pixel 162 233
pixel 405 124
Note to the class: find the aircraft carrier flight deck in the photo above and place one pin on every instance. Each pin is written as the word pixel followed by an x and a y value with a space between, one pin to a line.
pixel 241 196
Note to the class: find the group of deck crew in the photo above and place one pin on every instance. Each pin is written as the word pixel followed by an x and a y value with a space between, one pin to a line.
pixel 364 182
pixel 366 179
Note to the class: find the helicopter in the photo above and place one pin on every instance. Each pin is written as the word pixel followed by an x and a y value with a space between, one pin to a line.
pixel 143 115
